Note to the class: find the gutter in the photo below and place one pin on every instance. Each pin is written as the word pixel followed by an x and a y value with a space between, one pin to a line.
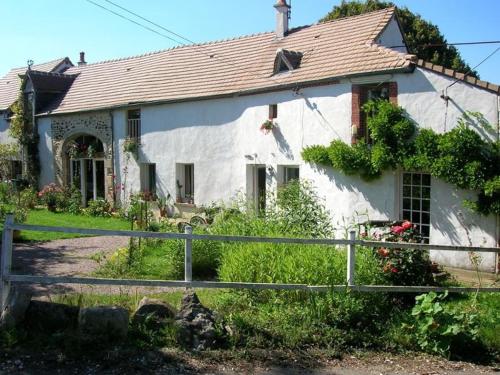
pixel 287 86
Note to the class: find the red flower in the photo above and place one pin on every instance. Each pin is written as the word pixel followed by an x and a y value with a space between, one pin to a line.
pixel 383 252
pixel 406 225
pixel 394 270
pixel 397 229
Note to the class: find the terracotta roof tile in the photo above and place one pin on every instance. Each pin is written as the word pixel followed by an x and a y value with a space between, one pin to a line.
pixel 9 84
pixel 459 76
pixel 235 66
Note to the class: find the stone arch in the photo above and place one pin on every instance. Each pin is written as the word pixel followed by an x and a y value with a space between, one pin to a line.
pixel 66 129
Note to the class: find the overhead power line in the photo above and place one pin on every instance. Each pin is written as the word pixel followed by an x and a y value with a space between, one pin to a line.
pixel 470 71
pixel 432 45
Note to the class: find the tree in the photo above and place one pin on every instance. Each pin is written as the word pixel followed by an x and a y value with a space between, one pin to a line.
pixel 418 32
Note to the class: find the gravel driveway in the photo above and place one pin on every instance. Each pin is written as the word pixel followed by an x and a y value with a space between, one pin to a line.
pixel 67 257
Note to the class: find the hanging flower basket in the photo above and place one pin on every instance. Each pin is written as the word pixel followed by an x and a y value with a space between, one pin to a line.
pixel 267 126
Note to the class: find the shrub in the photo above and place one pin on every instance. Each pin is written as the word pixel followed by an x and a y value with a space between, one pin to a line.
pixel 6 193
pixel 28 198
pixel 99 207
pixel 441 330
pixel 404 266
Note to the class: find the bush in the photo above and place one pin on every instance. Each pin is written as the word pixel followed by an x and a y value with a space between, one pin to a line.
pixel 441 330
pixel 28 198
pixel 50 195
pixel 404 266
pixel 99 207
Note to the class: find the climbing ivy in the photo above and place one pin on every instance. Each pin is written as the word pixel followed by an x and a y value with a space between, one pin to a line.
pixel 460 156
pixel 23 130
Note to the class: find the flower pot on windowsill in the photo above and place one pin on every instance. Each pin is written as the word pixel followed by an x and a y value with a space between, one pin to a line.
pixel 267 126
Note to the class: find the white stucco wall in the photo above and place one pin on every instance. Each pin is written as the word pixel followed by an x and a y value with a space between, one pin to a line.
pixel 391 37
pixel 221 138
pixel 45 151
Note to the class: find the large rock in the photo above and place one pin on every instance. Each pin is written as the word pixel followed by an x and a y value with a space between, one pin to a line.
pixel 17 304
pixel 103 323
pixel 195 324
pixel 50 316
pixel 153 313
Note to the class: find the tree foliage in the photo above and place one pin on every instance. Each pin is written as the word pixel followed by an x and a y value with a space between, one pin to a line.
pixel 418 32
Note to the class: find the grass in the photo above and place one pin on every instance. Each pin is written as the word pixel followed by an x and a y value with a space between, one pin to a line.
pixel 62 219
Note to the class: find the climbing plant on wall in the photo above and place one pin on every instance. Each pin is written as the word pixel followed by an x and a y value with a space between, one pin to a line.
pixel 460 156
pixel 24 131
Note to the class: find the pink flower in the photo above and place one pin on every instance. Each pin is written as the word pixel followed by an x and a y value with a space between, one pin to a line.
pixel 397 229
pixel 394 270
pixel 383 252
pixel 406 225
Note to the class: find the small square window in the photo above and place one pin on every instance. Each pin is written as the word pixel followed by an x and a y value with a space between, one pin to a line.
pixel 416 201
pixel 273 111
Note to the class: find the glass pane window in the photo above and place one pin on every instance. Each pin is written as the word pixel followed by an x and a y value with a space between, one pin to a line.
pixel 416 201
pixel 291 173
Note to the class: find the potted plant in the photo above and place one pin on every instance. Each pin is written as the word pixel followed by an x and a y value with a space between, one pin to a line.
pixel 131 145
pixel 267 126
pixel 50 195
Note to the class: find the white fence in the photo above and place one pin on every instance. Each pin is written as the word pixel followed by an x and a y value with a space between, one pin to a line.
pixel 7 278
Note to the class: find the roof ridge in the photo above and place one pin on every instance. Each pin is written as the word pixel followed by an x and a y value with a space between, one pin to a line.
pixel 43 63
pixel 192 45
pixel 384 10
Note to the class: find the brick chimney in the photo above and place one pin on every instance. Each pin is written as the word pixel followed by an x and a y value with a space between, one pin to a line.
pixel 82 59
pixel 282 10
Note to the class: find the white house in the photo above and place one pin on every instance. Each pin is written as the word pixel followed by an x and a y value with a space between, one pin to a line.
pixel 197 112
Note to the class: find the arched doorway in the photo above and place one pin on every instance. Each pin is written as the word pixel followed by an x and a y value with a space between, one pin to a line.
pixel 85 161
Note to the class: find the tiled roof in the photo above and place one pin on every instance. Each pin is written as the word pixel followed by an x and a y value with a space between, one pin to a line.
pixel 237 66
pixel 459 76
pixel 9 84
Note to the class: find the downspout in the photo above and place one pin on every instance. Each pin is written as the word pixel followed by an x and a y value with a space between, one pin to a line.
pixel 113 176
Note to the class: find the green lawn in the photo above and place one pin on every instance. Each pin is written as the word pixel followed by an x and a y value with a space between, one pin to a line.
pixel 61 219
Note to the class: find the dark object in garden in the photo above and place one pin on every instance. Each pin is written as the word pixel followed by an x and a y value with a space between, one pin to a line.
pixel 50 316
pixel 103 323
pixel 153 313
pixel 196 329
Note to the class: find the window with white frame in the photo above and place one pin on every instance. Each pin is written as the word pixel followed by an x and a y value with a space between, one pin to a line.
pixel 185 183
pixel 416 201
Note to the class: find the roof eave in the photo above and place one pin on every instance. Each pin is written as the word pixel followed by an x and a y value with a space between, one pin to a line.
pixel 408 68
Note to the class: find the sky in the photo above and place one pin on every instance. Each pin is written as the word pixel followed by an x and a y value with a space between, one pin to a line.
pixel 43 30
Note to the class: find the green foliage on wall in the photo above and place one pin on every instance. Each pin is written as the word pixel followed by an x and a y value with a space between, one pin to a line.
pixel 460 157
pixel 23 130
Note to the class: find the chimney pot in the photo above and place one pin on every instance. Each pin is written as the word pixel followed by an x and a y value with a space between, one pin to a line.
pixel 82 59
pixel 282 12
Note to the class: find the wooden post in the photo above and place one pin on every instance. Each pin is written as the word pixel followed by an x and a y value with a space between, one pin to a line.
pixel 351 258
pixel 6 259
pixel 188 266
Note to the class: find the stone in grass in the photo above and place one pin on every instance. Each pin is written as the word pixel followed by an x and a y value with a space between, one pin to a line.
pixel 103 323
pixel 195 324
pixel 17 304
pixel 50 316
pixel 153 313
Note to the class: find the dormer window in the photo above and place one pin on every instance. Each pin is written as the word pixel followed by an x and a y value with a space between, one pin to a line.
pixel 286 61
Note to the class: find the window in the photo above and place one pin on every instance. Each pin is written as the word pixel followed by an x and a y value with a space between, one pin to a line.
pixel 361 94
pixel 134 124
pixel 273 111
pixel 148 178
pixel 287 173
pixel 185 183
pixel 287 61
pixel 416 195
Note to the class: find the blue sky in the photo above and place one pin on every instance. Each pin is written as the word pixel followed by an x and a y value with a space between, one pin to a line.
pixel 43 30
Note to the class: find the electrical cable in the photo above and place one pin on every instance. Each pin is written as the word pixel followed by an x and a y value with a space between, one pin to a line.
pixel 431 45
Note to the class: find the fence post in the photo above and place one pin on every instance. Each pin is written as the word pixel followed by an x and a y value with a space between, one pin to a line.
pixel 188 261
pixel 6 260
pixel 351 258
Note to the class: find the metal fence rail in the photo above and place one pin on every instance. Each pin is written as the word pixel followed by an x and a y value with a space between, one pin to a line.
pixel 7 278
